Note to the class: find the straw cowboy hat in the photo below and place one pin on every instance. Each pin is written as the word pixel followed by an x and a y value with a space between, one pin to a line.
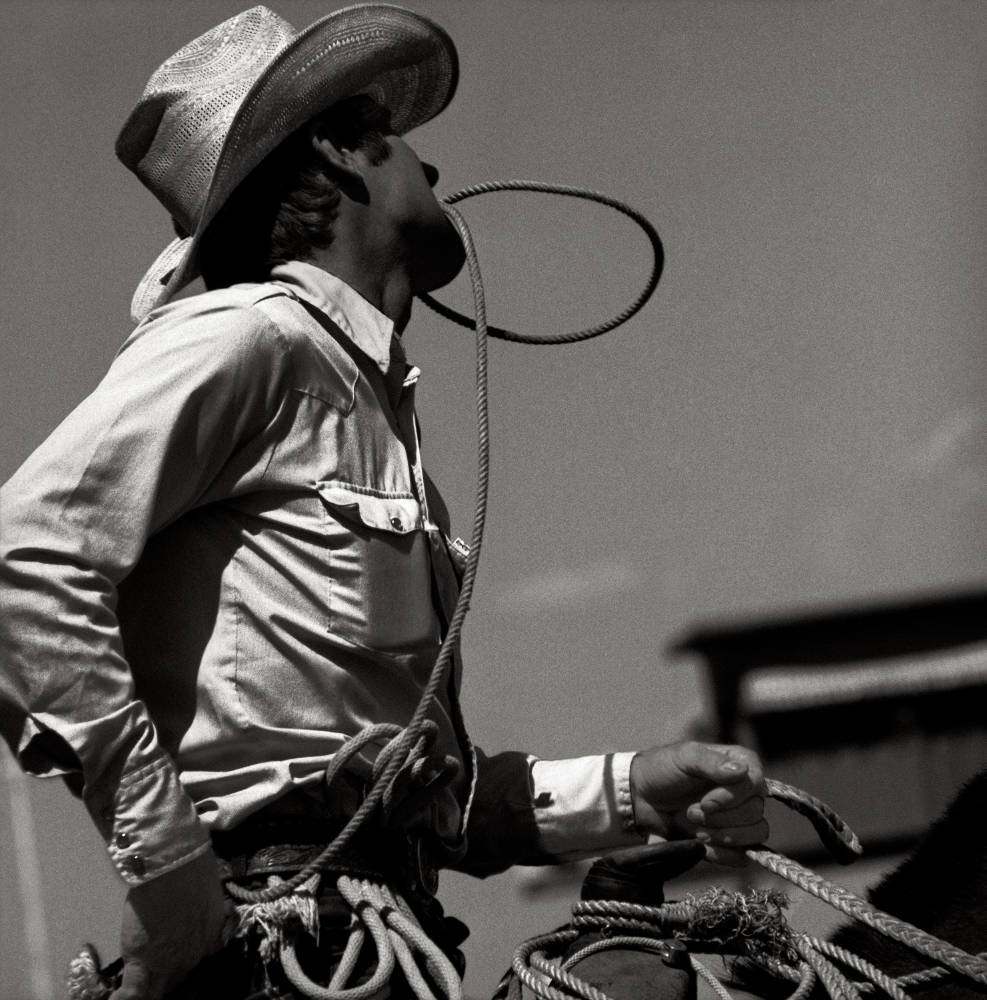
pixel 216 108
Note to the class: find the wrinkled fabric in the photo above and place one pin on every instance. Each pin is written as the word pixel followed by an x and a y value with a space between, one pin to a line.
pixel 233 536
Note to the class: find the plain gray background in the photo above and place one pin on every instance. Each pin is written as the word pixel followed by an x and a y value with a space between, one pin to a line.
pixel 795 421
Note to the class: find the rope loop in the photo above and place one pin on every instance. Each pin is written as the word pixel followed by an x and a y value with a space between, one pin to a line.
pixel 398 938
pixel 568 191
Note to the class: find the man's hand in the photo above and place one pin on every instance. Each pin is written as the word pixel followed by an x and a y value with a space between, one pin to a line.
pixel 170 925
pixel 711 792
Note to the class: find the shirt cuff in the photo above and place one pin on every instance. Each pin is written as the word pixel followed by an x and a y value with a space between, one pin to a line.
pixel 583 806
pixel 150 825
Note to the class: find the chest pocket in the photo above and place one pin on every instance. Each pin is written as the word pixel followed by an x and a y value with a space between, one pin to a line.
pixel 380 593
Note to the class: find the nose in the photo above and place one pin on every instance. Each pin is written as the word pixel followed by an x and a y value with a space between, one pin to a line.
pixel 431 174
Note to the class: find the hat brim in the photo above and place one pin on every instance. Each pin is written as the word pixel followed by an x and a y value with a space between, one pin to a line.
pixel 401 59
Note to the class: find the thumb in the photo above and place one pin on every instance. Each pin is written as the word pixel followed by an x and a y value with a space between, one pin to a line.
pixel 715 763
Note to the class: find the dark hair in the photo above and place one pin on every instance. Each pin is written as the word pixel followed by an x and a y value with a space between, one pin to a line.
pixel 285 208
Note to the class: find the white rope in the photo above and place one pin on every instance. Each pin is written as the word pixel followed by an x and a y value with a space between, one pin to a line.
pixel 410 968
pixel 347 961
pixel 402 922
pixel 807 982
pixel 400 942
pixel 718 988
pixel 337 989
pixel 880 979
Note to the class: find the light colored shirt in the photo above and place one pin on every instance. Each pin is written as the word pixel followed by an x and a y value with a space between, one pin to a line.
pixel 219 568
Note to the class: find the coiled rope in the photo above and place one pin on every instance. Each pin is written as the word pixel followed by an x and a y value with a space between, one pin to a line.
pixel 803 960
pixel 397 936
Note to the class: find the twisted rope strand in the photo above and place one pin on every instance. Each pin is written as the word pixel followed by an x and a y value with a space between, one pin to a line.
pixel 837 985
pixel 807 982
pixel 860 965
pixel 718 988
pixel 351 953
pixel 616 941
pixel 558 974
pixel 835 835
pixel 847 902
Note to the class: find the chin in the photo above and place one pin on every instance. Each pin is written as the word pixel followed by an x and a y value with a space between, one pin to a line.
pixel 442 259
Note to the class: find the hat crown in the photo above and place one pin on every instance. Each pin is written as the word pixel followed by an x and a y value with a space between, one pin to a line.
pixel 175 135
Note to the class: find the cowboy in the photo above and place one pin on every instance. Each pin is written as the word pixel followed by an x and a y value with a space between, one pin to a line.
pixel 226 572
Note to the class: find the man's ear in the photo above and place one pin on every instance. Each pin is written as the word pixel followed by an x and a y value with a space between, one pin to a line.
pixel 344 165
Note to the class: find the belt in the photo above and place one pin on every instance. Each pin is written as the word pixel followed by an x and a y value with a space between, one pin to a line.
pixel 288 834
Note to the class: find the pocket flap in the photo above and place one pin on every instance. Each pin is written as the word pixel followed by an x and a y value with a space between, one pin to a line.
pixel 397 514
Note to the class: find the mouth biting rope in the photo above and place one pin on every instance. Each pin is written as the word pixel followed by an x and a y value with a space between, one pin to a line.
pixel 567 191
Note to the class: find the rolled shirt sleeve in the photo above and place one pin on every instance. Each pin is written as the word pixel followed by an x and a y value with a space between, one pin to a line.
pixel 529 811
pixel 145 446
pixel 583 805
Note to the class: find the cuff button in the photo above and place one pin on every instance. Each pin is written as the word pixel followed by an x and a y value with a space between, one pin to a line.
pixel 136 865
pixel 122 840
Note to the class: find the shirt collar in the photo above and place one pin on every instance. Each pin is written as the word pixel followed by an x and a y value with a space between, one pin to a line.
pixel 364 324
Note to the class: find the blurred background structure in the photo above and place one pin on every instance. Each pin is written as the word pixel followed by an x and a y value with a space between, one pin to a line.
pixel 878 707
pixel 795 427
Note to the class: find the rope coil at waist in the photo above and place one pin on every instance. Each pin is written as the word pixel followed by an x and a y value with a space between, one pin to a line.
pixel 375 915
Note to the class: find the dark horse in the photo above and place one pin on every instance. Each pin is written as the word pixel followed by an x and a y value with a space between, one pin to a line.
pixel 941 888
